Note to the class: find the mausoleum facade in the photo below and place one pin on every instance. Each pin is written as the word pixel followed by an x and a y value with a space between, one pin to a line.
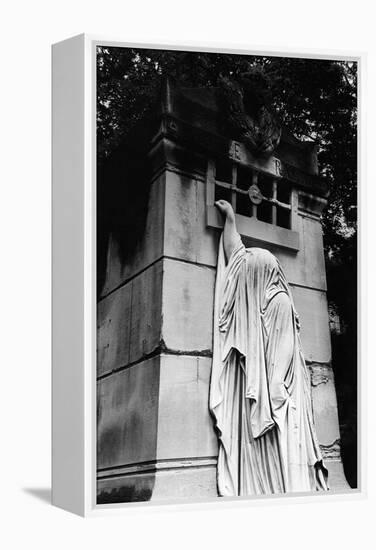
pixel 155 302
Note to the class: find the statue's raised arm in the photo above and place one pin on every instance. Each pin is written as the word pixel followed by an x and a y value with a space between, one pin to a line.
pixel 230 235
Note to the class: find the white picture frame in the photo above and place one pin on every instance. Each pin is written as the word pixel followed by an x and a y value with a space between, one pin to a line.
pixel 74 281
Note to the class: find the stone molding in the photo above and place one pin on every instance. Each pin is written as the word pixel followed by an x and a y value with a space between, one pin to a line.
pixel 153 466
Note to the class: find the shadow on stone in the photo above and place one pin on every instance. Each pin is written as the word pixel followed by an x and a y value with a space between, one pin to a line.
pixel 123 186
pixel 124 494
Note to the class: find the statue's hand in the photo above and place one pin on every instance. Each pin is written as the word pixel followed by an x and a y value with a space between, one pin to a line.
pixel 226 209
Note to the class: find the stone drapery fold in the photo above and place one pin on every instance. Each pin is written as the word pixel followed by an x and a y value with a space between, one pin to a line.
pixel 260 394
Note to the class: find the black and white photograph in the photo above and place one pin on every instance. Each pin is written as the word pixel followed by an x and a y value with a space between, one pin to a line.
pixel 226 271
pixel 188 305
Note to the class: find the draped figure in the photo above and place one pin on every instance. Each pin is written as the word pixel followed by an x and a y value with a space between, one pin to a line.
pixel 260 392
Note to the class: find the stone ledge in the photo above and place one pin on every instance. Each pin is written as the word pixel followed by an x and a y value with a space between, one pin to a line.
pixel 256 230
pixel 157 465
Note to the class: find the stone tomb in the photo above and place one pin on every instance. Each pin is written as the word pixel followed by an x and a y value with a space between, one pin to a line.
pixel 155 436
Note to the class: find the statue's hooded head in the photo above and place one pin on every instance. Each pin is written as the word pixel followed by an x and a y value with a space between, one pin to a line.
pixel 267 277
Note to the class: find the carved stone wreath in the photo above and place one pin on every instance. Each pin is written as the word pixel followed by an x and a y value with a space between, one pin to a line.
pixel 259 130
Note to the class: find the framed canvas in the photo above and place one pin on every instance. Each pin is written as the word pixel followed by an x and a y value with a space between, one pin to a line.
pixel 204 276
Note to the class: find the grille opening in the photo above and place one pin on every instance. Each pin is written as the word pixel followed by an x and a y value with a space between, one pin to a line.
pixel 284 192
pixel 265 184
pixel 243 205
pixel 222 194
pixel 284 218
pixel 244 177
pixel 241 177
pixel 223 170
pixel 264 212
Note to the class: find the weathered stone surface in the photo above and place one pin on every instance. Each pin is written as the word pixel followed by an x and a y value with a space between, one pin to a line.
pixel 146 313
pixel 167 155
pixel 186 234
pixel 337 480
pixel 258 231
pixel 156 412
pixel 127 415
pixel 181 231
pixel 192 482
pixel 324 404
pixel 332 451
pixel 129 321
pixel 312 255
pixel 125 488
pixel 185 427
pixel 113 336
pixel 188 294
pixel 311 204
pixel 186 483
pixel 305 267
pixel 208 239
pixel 312 308
pixel 149 247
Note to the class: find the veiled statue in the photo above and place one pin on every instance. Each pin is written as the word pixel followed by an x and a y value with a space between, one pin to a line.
pixel 260 392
